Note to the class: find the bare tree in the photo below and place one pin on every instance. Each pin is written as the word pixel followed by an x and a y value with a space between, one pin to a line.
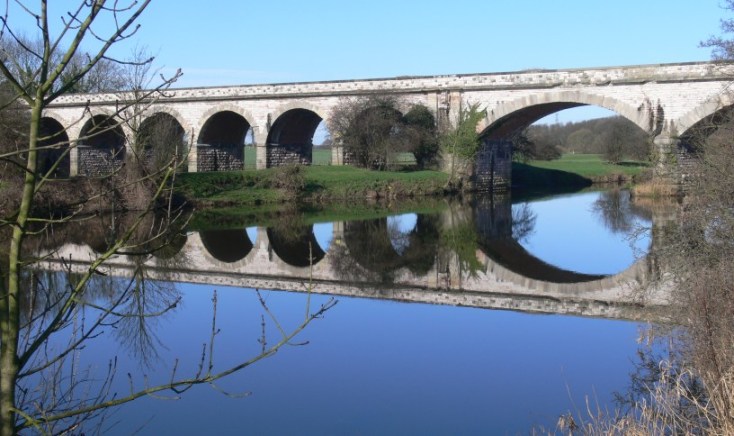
pixel 373 131
pixel 36 74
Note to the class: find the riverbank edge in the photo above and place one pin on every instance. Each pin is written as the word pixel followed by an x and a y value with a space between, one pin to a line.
pixel 322 185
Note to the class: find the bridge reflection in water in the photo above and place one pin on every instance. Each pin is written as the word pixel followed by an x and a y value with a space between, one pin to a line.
pixel 432 262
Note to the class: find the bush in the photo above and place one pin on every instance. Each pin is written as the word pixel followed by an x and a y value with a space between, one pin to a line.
pixel 290 180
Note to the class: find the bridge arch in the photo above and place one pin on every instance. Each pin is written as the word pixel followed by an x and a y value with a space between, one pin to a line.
pixel 221 141
pixel 175 114
pixel 54 153
pixel 511 116
pixel 159 138
pixel 290 138
pixel 702 113
pixel 101 146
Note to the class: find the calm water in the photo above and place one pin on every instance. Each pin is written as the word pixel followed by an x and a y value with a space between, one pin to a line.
pixel 373 366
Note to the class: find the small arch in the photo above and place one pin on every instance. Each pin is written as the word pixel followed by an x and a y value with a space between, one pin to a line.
pixel 159 140
pixel 182 121
pixel 101 146
pixel 53 157
pixel 221 142
pixel 228 246
pixel 290 138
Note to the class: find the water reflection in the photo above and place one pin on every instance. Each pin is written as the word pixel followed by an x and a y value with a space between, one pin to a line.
pixel 464 255
pixel 610 240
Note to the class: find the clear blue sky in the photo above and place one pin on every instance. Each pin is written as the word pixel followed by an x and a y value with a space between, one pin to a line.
pixel 235 41
pixel 223 42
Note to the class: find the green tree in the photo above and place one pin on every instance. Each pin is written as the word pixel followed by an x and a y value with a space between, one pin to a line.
pixel 459 145
pixel 423 140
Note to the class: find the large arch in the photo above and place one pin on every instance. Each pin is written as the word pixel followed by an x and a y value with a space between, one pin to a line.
pixel 54 158
pixel 101 146
pixel 702 113
pixel 159 140
pixel 710 136
pixel 493 164
pixel 221 142
pixel 290 138
pixel 512 116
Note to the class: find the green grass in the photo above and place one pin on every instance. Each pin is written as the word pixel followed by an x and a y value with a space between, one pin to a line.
pixel 322 183
pixel 328 183
pixel 591 165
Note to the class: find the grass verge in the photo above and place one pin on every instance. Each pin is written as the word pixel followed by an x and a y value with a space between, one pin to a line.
pixel 315 183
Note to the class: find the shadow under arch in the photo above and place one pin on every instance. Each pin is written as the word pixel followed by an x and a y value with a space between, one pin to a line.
pixel 370 244
pixel 221 142
pixel 54 144
pixel 290 138
pixel 228 245
pixel 297 245
pixel 101 146
pixel 719 123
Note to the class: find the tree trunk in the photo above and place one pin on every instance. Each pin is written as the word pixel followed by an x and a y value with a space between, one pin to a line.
pixel 9 308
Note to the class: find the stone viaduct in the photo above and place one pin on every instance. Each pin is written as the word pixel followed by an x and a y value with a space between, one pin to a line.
pixel 666 101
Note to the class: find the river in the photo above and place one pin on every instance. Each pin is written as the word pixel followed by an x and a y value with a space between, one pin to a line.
pixel 491 317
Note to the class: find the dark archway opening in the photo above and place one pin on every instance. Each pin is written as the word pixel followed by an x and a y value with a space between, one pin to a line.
pixel 53 157
pixel 221 143
pixel 290 138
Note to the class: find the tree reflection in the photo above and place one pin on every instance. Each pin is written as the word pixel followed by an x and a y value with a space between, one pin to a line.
pixel 523 222
pixel 63 312
pixel 618 212
pixel 379 248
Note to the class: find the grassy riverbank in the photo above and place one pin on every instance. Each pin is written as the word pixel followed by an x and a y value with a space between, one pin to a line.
pixel 592 167
pixel 310 183
pixel 324 183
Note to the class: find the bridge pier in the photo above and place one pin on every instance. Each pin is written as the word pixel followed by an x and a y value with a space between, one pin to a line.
pixel 493 165
pixel 672 164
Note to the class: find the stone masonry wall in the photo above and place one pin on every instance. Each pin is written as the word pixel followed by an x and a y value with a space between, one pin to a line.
pixel 220 157
pixel 493 166
pixel 279 155
pixel 98 162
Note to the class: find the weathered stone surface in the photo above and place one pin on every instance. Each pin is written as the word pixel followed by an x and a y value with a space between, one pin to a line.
pixel 219 158
pixel 98 162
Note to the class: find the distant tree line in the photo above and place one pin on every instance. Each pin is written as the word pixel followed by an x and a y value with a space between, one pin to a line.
pixel 616 138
